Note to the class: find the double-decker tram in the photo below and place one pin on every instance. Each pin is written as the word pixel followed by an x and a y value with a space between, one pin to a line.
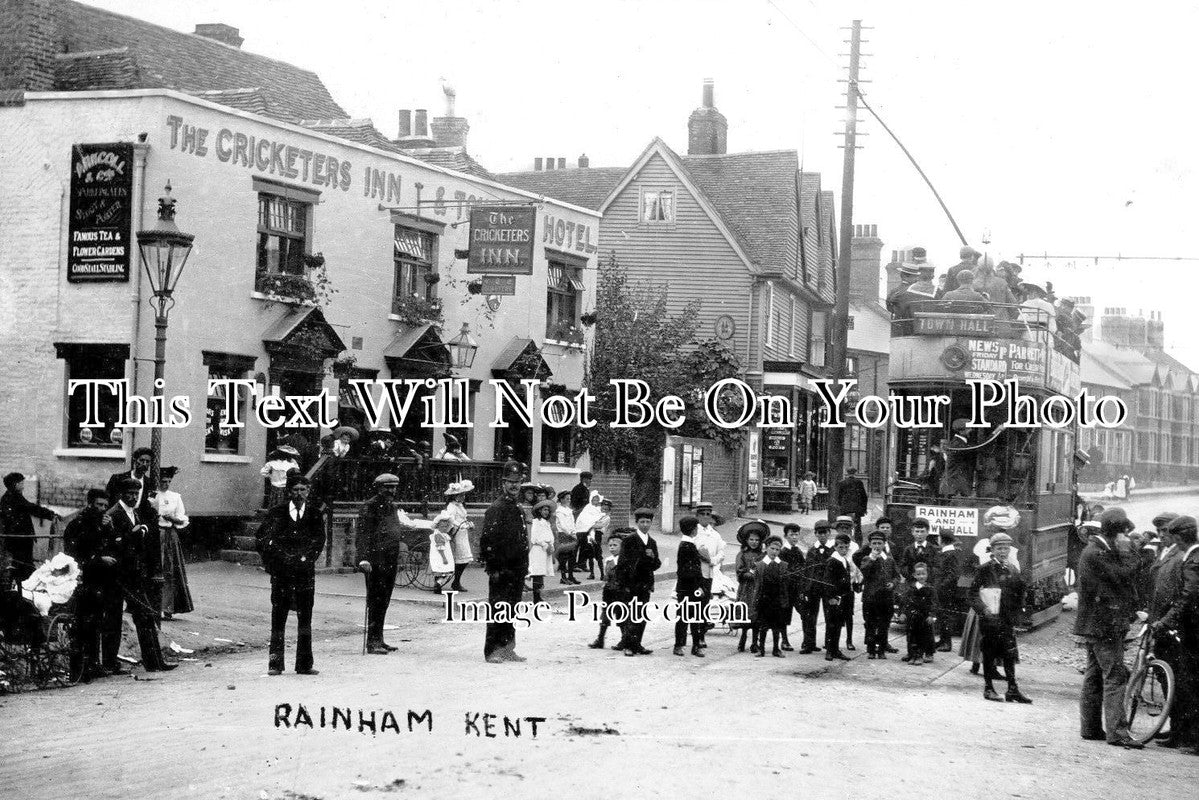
pixel 961 477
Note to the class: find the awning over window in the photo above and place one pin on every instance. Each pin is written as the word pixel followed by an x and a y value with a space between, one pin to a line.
pixel 519 360
pixel 417 350
pixel 301 340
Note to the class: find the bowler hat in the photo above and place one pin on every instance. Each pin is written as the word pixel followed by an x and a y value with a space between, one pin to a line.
pixel 1114 521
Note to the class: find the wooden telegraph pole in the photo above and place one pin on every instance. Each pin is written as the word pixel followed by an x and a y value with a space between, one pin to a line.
pixel 840 333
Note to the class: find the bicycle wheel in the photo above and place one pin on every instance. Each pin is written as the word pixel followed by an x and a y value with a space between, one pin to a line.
pixel 58 666
pixel 1148 698
pixel 418 569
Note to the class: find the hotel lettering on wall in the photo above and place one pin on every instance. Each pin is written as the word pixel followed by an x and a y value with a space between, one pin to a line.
pixel 501 240
pixel 101 210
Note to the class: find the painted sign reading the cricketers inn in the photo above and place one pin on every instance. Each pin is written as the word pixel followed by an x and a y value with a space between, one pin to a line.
pixel 501 240
pixel 101 210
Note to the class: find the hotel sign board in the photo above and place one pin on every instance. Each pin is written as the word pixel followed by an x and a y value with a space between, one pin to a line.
pixel 101 212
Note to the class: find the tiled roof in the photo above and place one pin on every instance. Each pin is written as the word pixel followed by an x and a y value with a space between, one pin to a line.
pixel 1094 372
pixel 252 100
pixel 1126 363
pixel 755 195
pixel 586 187
pixel 455 158
pixel 188 63
pixel 97 69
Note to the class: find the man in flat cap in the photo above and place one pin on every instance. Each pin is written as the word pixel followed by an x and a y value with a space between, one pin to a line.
pixel 969 261
pixel 1181 614
pixel 379 547
pixel 504 543
pixel 16 523
pixel 1106 603
pixel 997 596
pixel 139 470
pixel 289 540
pixel 635 576
pixel 139 574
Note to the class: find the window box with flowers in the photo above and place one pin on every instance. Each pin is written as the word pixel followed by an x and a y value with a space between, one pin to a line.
pixel 416 310
pixel 310 285
pixel 566 334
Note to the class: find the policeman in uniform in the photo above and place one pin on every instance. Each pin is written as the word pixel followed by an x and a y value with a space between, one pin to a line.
pixel 290 540
pixel 504 543
pixel 378 547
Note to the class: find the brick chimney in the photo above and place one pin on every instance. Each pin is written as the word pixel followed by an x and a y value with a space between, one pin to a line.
pixel 220 32
pixel 29 39
pixel 405 122
pixel 707 129
pixel 584 161
pixel 865 262
pixel 450 131
pixel 414 130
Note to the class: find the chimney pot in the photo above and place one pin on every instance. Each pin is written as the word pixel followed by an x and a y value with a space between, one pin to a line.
pixel 561 163
pixel 422 122
pixel 549 162
pixel 405 122
pixel 707 129
pixel 584 161
pixel 220 32
pixel 709 92
pixel 537 162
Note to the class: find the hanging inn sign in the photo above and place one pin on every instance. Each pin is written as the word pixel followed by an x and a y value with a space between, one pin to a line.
pixel 501 240
pixel 98 245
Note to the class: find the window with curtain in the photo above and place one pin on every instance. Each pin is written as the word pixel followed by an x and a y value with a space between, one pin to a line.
pixel 282 234
pixel 415 263
pixel 658 206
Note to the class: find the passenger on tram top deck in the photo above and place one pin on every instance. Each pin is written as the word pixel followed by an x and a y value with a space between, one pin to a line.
pixel 969 261
pixel 995 289
pixel 1036 310
pixel 965 292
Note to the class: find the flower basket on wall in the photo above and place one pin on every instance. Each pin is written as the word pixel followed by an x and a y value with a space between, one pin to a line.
pixel 286 285
pixel 414 310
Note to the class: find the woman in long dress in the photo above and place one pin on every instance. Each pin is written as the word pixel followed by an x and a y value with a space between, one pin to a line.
pixel 172 518
pixel 461 526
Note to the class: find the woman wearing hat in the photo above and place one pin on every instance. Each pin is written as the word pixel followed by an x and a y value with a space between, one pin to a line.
pixel 172 518
pixel 282 461
pixel 461 526
pixel 588 519
pixel 541 546
pixel 441 560
pixel 343 441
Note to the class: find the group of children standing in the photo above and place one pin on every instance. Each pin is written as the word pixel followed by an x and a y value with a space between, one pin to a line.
pixel 776 579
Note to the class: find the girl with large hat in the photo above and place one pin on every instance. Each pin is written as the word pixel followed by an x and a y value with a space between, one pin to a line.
pixel 750 535
pixel 455 508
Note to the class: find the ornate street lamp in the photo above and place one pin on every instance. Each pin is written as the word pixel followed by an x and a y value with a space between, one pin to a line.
pixel 464 347
pixel 164 250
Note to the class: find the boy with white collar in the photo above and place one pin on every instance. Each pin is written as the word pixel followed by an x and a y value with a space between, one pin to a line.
pixel 774 602
pixel 838 592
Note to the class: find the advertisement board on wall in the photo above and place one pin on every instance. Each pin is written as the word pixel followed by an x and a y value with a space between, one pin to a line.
pixel 101 209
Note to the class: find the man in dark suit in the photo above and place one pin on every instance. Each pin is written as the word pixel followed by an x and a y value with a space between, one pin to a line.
pixel 504 542
pixel 635 577
pixel 1181 614
pixel 1106 603
pixel 852 500
pixel 147 487
pixel 689 588
pixel 290 539
pixel 377 546
pixel 90 540
pixel 139 574
pixel 16 523
pixel 580 495
pixel 997 596
pixel 812 586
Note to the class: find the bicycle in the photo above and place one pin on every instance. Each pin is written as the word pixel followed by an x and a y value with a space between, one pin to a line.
pixel 1149 694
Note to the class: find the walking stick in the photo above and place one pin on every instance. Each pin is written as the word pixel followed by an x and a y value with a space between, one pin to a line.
pixel 366 616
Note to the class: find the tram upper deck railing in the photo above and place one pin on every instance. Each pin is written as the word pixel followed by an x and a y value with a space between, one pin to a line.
pixel 951 341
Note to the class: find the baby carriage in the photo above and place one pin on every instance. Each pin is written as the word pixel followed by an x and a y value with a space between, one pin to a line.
pixel 37 623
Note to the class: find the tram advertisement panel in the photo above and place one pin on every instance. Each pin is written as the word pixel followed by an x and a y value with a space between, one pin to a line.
pixel 996 360
pixel 958 521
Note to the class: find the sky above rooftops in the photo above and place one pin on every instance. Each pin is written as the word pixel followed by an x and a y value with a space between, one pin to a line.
pixel 1059 128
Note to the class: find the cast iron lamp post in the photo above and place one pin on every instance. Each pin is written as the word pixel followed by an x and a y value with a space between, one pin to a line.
pixel 164 250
